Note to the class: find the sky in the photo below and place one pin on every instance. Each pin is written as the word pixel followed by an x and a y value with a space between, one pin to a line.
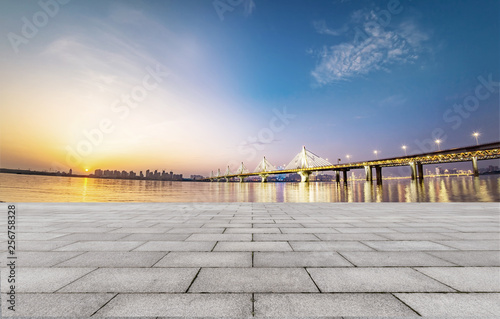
pixel 194 86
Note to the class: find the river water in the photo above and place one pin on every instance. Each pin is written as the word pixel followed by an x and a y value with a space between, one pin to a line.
pixel 31 188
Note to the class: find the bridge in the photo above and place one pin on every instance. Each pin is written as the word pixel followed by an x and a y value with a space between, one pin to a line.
pixel 306 162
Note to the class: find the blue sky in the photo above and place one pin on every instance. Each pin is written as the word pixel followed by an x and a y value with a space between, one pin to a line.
pixel 355 76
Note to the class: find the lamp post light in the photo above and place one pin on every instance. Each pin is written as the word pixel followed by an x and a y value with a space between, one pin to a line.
pixel 476 135
pixel 376 154
pixel 438 142
pixel 348 158
pixel 404 147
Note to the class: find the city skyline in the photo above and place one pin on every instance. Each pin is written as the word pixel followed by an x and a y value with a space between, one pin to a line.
pixel 194 86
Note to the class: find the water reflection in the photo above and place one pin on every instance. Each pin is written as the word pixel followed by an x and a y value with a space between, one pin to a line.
pixel 24 188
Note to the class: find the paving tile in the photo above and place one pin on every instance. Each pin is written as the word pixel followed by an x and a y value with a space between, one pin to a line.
pixel 472 244
pixel 348 237
pixel 470 258
pixel 415 236
pixel 374 280
pixel 253 280
pixel 322 230
pixel 329 246
pixel 299 259
pixel 469 279
pixel 252 246
pixel 206 259
pixel 101 246
pixel 40 245
pixel 140 230
pixel 40 236
pixel 179 306
pixel 113 259
pixel 403 245
pixel 220 237
pixel 196 230
pixel 134 280
pixel 55 305
pixel 329 305
pixel 85 230
pixel 90 237
pixel 285 237
pixel 176 246
pixel 476 236
pixel 364 230
pixel 394 259
pixel 267 230
pixel 155 237
pixel 453 304
pixel 40 258
pixel 43 279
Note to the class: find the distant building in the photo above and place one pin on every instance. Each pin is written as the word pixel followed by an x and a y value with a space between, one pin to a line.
pixel 70 172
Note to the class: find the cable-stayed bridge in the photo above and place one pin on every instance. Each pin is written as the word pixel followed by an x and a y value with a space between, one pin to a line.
pixel 306 162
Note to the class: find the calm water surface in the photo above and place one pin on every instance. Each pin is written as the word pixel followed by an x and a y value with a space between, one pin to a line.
pixel 31 188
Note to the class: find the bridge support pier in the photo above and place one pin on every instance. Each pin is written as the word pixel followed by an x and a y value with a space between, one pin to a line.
pixel 378 172
pixel 304 176
pixel 227 179
pixel 344 175
pixel 368 172
pixel 263 178
pixel 420 170
pixel 337 176
pixel 475 170
pixel 242 178
pixel 413 167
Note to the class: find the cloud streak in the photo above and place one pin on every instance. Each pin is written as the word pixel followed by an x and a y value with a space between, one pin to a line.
pixel 373 48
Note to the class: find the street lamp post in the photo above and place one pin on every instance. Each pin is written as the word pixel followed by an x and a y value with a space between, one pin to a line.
pixel 438 142
pixel 404 147
pixel 348 158
pixel 476 135
pixel 376 154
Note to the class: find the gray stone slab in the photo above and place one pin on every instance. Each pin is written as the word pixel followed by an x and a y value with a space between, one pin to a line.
pixel 470 258
pixel 179 306
pixel 364 230
pixel 91 237
pixel 285 237
pixel 348 237
pixel 206 259
pixel 139 230
pixel 220 237
pixel 134 280
pixel 329 305
pixel 41 245
pixel 43 279
pixel 253 280
pixel 252 246
pixel 156 237
pixel 266 230
pixel 39 258
pixel 55 305
pixel 101 246
pixel 472 244
pixel 329 246
pixel 476 236
pixel 317 230
pixel 374 280
pixel 453 304
pixel 85 230
pixel 468 279
pixel 299 259
pixel 112 259
pixel 394 259
pixel 176 246
pixel 195 230
pixel 40 236
pixel 404 245
pixel 416 236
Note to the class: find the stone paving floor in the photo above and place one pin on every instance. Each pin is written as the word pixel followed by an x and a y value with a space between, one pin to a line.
pixel 241 260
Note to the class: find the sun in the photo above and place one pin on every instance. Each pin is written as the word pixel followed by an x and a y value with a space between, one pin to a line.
pixel 86 169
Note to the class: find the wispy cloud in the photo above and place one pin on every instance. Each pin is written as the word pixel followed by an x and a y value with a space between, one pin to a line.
pixel 249 7
pixel 322 28
pixel 393 100
pixel 372 48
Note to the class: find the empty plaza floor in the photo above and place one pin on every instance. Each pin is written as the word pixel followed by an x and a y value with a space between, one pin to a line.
pixel 241 260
